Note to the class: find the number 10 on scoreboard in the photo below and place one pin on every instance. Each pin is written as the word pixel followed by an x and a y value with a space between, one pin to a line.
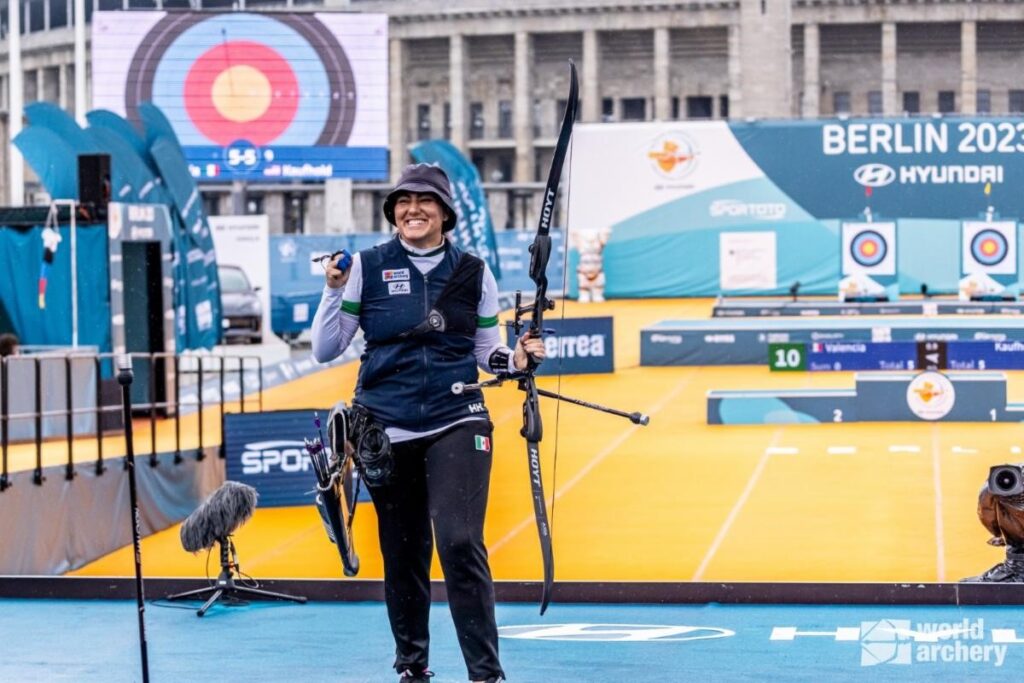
pixel 787 357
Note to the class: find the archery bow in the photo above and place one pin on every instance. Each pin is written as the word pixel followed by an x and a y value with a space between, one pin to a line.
pixel 533 429
pixel 540 251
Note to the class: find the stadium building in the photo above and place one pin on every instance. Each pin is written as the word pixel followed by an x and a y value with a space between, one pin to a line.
pixel 491 77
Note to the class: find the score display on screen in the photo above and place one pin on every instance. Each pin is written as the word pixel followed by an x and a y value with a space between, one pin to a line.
pixel 254 96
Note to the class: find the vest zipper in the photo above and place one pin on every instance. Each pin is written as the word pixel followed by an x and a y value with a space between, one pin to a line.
pixel 423 350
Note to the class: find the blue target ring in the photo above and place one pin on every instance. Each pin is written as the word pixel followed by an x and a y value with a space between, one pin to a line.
pixel 989 247
pixel 868 248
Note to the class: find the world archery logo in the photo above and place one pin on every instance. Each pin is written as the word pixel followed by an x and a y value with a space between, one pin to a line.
pixel 673 155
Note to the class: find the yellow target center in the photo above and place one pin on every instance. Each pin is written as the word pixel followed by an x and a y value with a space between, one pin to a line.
pixel 988 247
pixel 241 93
pixel 869 249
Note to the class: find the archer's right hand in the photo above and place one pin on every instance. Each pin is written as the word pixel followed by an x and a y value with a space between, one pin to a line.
pixel 335 276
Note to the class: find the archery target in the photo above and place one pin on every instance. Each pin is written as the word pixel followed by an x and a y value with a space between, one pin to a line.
pixel 280 79
pixel 869 248
pixel 989 247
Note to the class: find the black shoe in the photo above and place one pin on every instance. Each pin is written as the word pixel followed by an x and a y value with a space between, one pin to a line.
pixel 408 676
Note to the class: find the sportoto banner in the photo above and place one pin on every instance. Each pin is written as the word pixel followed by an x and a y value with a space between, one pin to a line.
pixel 269 97
pixel 671 189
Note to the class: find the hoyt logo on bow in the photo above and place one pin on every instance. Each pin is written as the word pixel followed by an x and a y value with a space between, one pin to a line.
pixel 530 316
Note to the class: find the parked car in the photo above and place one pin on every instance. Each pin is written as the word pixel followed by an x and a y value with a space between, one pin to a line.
pixel 240 306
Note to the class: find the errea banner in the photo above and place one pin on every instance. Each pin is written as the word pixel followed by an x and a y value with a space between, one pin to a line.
pixel 576 346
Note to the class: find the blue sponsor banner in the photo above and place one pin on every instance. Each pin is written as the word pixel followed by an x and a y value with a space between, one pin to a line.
pixel 267 451
pixel 474 232
pixel 576 346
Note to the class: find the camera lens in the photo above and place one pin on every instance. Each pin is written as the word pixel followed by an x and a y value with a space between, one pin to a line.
pixel 1006 480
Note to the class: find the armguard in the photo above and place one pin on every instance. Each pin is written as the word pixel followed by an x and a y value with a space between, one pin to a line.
pixel 498 361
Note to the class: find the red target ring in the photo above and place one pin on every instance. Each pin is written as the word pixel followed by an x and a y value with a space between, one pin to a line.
pixel 241 90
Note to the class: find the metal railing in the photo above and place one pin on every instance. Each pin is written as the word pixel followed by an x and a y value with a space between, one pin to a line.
pixel 205 366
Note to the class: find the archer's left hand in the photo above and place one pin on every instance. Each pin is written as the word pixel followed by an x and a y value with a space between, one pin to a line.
pixel 527 346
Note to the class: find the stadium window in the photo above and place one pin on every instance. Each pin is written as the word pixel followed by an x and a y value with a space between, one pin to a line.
pixel 422 121
pixel 675 108
pixel 294 213
pixel 698 107
pixel 254 204
pixel 181 4
pixel 505 174
pixel 723 106
pixel 984 102
pixel 211 204
pixel 947 101
pixel 58 13
pixel 634 109
pixel 447 120
pixel 34 17
pixel 841 102
pixel 875 102
pixel 505 119
pixel 911 102
pixel 476 120
pixel 607 109
pixel 1016 101
pixel 109 5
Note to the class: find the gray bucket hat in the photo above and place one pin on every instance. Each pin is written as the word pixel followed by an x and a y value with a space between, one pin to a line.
pixel 418 178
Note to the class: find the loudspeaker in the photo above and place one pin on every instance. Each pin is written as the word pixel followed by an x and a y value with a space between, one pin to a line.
pixel 94 183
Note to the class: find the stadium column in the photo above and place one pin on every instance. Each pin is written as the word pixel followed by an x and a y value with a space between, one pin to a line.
pixel 810 106
pixel 735 73
pixel 399 153
pixel 523 110
pixel 662 75
pixel 889 104
pixel 591 90
pixel 62 86
pixel 457 90
pixel 969 67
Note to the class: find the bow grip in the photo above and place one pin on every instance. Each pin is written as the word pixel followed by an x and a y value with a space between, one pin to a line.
pixel 540 251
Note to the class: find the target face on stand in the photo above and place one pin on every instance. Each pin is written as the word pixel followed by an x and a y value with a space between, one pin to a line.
pixel 989 247
pixel 869 248
pixel 246 81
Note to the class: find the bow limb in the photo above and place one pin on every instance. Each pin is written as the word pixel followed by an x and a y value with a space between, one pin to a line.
pixel 540 253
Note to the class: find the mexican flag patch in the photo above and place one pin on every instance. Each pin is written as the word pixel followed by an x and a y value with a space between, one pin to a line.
pixel 483 443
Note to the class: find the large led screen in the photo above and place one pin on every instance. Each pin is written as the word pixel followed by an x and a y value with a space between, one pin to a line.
pixel 261 97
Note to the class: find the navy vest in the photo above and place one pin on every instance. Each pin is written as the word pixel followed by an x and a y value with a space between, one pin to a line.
pixel 407 383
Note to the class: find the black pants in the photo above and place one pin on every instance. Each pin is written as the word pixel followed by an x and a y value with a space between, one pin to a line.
pixel 441 479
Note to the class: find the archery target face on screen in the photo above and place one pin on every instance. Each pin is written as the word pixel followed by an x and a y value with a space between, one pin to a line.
pixel 869 248
pixel 246 92
pixel 988 247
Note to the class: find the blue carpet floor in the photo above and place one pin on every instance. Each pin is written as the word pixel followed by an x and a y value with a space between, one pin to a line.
pixel 93 640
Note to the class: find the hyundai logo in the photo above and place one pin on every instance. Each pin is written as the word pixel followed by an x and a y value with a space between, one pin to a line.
pixel 874 175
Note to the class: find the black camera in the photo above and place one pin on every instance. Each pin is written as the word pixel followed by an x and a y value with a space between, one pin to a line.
pixel 1006 480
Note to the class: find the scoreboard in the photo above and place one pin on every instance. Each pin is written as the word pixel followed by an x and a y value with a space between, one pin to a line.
pixel 897 356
